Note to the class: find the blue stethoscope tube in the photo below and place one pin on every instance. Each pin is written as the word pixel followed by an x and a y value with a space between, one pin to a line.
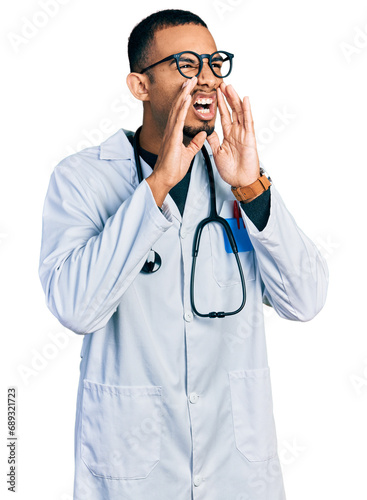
pixel 155 261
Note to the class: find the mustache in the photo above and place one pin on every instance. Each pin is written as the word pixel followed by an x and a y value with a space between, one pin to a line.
pixel 200 91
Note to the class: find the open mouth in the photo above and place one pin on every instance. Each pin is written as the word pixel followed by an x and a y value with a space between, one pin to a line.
pixel 204 106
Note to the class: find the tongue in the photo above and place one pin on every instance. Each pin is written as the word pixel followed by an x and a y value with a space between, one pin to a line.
pixel 199 107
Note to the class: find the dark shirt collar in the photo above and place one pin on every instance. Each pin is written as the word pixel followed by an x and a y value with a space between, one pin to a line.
pixel 147 156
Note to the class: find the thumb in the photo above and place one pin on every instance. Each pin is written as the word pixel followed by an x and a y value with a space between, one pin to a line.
pixel 213 140
pixel 197 143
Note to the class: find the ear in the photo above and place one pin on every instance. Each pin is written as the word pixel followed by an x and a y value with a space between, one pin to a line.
pixel 139 85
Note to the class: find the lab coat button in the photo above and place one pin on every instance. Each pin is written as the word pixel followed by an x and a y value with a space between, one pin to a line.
pixel 183 233
pixel 193 397
pixel 188 316
pixel 197 480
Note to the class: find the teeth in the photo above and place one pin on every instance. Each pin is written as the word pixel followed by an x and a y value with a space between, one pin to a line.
pixel 204 101
pixel 204 111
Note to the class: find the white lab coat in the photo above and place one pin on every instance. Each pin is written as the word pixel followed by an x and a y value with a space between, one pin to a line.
pixel 169 405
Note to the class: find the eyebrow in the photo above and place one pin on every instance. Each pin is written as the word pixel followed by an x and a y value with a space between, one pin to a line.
pixel 219 58
pixel 187 59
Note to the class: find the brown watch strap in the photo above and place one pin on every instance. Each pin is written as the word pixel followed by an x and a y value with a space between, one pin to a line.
pixel 247 193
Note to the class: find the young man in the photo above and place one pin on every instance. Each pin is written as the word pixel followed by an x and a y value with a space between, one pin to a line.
pixel 174 402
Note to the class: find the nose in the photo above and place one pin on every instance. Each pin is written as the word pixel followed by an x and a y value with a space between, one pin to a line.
pixel 206 76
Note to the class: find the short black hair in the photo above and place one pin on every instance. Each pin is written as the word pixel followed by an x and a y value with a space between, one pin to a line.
pixel 142 36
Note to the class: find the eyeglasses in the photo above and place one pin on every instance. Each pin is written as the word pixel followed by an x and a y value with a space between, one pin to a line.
pixel 190 64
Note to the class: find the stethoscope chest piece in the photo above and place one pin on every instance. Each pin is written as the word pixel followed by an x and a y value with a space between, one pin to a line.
pixel 152 264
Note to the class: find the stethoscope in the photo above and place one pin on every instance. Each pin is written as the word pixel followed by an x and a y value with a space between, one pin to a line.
pixel 154 261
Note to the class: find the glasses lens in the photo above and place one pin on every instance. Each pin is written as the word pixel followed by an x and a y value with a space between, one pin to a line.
pixel 221 64
pixel 189 64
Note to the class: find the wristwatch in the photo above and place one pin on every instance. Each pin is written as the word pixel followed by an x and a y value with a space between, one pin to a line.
pixel 248 193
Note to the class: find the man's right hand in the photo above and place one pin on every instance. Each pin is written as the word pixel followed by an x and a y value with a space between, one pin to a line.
pixel 174 158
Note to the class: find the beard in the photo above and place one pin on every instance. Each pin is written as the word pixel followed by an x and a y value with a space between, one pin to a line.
pixel 192 131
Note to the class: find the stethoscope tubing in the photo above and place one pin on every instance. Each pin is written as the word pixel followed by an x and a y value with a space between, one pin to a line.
pixel 213 217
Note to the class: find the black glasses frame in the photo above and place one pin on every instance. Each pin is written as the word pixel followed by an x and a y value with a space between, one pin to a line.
pixel 200 57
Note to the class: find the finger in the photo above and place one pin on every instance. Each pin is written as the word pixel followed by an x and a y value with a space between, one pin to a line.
pixel 214 143
pixel 235 103
pixel 225 90
pixel 179 109
pixel 225 115
pixel 181 96
pixel 230 102
pixel 249 122
pixel 184 92
pixel 196 143
pixel 181 113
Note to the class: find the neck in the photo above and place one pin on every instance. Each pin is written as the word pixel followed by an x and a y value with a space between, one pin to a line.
pixel 150 136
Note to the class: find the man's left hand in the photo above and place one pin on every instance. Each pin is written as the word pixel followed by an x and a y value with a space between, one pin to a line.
pixel 236 158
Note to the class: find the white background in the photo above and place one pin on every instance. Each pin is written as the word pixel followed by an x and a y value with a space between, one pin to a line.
pixel 63 88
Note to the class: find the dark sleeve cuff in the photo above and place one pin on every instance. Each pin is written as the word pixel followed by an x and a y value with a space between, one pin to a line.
pixel 258 210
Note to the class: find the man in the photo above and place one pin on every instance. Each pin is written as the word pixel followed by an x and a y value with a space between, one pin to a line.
pixel 174 403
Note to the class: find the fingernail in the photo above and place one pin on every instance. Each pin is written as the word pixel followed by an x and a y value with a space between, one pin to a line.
pixel 185 83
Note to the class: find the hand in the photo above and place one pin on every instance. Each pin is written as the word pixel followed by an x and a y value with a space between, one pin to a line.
pixel 236 158
pixel 174 158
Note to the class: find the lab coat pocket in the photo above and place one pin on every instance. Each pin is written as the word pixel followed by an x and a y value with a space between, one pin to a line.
pixel 252 411
pixel 121 429
pixel 224 264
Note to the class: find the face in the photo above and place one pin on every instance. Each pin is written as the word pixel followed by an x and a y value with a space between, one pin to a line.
pixel 167 80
